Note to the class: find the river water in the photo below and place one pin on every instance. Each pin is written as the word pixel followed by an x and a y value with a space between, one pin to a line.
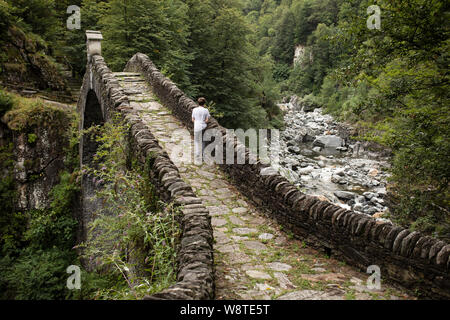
pixel 321 161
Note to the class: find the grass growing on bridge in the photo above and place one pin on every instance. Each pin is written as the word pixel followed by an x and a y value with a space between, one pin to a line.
pixel 134 235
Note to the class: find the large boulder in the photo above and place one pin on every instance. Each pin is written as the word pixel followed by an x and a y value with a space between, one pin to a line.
pixel 344 195
pixel 304 135
pixel 328 141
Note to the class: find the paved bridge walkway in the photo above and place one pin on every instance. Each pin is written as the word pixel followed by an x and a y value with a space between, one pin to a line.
pixel 254 258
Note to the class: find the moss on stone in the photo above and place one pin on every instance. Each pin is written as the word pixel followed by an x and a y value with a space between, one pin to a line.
pixel 24 61
pixel 29 113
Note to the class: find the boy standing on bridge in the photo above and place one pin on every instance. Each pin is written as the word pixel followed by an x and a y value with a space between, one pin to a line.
pixel 200 117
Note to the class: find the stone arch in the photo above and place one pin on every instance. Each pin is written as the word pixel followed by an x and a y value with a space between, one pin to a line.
pixel 92 115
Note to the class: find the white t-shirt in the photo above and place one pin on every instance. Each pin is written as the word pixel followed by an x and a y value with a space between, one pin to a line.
pixel 200 114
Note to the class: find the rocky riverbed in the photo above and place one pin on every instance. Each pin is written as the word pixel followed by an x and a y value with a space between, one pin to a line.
pixel 317 155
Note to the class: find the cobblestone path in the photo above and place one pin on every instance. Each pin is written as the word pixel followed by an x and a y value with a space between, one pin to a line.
pixel 254 257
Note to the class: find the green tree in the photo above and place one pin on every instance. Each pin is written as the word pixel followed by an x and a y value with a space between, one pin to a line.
pixel 74 41
pixel 406 65
pixel 37 16
pixel 158 29
pixel 225 67
pixel 320 57
pixel 284 42
pixel 5 17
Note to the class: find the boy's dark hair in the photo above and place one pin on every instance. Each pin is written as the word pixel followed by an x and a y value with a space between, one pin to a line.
pixel 201 101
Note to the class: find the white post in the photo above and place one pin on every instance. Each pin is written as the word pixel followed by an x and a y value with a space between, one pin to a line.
pixel 93 43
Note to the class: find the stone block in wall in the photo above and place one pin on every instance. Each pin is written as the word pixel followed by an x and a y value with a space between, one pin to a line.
pixel 408 243
pixel 434 250
pixel 443 256
pixel 398 241
pixel 390 237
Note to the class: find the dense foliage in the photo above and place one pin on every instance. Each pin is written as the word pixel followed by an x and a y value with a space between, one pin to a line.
pixel 135 253
pixel 36 246
pixel 393 83
pixel 405 69
pixel 201 45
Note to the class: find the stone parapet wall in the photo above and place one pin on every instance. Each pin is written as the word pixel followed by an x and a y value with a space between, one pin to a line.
pixel 195 264
pixel 417 262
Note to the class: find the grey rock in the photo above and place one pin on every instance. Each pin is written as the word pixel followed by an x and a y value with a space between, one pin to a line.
pixel 304 164
pixel 239 238
pixel 265 236
pixel 240 210
pixel 228 248
pixel 258 274
pixel 284 281
pixel 280 240
pixel 371 210
pixel 295 102
pixel 244 230
pixel 306 170
pixel 376 200
pixel 220 237
pixel 294 149
pixel 338 180
pixel 344 195
pixel 340 173
pixel 264 287
pixel 236 221
pixel 329 141
pixel 279 266
pixel 360 199
pixel 370 195
pixel 306 152
pixel 255 245
pixel 217 222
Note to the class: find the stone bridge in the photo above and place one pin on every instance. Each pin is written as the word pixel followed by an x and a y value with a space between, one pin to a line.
pixel 246 235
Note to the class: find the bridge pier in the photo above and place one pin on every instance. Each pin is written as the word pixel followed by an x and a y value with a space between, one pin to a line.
pixel 92 114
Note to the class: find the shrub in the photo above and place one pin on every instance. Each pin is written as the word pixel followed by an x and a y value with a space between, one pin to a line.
pixel 133 236
pixel 37 274
pixel 28 113
pixel 36 246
